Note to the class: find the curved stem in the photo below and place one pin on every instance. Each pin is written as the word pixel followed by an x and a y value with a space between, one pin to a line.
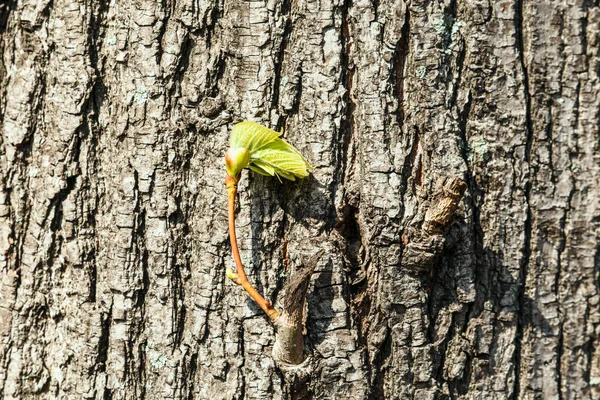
pixel 242 280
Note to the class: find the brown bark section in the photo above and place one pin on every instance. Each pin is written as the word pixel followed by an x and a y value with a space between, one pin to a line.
pixel 114 117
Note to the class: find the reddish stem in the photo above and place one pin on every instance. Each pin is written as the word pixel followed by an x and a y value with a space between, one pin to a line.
pixel 242 280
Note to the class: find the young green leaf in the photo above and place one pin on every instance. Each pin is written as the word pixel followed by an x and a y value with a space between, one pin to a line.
pixel 251 135
pixel 269 154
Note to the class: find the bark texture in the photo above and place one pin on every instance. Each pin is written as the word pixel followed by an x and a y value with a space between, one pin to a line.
pixel 114 118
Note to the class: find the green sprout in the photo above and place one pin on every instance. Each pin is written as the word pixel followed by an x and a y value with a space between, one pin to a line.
pixel 264 152
pixel 260 149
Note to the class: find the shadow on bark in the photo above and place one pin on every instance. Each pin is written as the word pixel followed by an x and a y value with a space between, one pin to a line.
pixel 303 202
pixel 470 267
pixel 320 308
pixel 6 7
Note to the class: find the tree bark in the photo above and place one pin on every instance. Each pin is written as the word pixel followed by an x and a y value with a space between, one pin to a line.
pixel 114 119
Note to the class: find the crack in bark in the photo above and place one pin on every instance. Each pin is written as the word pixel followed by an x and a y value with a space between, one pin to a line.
pixel 408 166
pixel 178 305
pixel 347 125
pixel 285 37
pixel 473 190
pixel 162 29
pixel 398 66
pixel 561 249
pixel 524 268
pixel 242 376
pixel 104 342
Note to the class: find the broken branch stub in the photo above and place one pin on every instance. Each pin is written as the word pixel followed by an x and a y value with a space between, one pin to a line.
pixel 288 349
pixel 423 246
pixel 440 216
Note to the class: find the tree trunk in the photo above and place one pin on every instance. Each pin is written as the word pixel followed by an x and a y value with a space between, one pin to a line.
pixel 114 119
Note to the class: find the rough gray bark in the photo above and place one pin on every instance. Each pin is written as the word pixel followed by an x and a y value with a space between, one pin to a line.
pixel 114 117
